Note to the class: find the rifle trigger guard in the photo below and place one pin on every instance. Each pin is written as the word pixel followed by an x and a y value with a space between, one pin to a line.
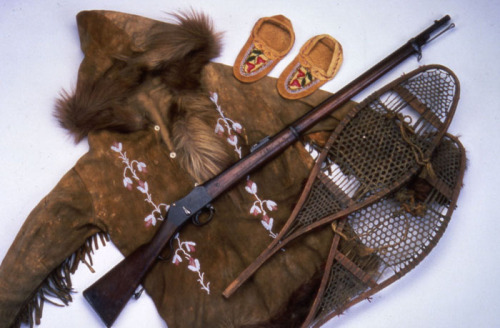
pixel 166 258
pixel 196 219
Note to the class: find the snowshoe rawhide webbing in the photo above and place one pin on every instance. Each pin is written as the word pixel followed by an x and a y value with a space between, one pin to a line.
pixel 375 150
pixel 375 246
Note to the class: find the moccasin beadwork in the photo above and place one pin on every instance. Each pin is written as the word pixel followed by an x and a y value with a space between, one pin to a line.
pixel 318 62
pixel 271 39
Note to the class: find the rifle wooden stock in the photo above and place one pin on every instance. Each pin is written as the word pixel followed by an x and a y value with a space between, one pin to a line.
pixel 109 294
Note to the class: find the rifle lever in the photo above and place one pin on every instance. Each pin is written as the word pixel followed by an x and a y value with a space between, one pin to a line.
pixel 196 219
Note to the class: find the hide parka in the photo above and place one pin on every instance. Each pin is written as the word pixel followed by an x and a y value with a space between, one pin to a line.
pixel 160 117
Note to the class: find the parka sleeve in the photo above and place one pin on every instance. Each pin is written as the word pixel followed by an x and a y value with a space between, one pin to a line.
pixel 57 235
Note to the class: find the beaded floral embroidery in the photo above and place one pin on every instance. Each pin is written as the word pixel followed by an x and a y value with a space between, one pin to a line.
pixel 259 207
pixel 130 178
pixel 130 175
pixel 301 79
pixel 226 126
pixel 255 61
pixel 183 252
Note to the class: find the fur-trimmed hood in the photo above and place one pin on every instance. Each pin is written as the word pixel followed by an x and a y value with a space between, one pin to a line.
pixel 148 73
pixel 115 68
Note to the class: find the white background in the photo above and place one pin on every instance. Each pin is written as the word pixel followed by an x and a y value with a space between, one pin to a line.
pixel 455 286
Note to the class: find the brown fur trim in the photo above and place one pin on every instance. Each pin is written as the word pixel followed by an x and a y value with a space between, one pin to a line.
pixel 200 151
pixel 96 107
pixel 179 52
pixel 176 53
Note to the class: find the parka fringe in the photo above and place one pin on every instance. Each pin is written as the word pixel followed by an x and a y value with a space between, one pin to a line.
pixel 57 287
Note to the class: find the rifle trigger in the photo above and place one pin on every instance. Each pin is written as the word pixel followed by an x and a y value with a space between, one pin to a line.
pixel 196 218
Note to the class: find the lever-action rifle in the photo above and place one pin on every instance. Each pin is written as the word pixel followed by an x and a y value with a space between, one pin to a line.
pixel 109 295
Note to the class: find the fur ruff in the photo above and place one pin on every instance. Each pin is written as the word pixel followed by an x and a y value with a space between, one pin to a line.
pixel 178 53
pixel 97 106
pixel 200 151
pixel 175 53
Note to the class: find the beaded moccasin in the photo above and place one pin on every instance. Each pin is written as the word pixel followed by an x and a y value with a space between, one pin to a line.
pixel 271 39
pixel 318 62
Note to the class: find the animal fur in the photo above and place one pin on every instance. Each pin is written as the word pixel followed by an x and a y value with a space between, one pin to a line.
pixel 191 45
pixel 97 106
pixel 200 151
pixel 176 54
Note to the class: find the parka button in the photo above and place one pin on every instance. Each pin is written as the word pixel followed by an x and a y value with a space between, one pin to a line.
pixel 173 154
pixel 157 128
